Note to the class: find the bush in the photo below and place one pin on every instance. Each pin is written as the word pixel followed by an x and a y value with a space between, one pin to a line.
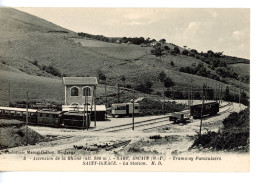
pixel 157 51
pixel 145 87
pixel 155 137
pixel 35 62
pixel 233 136
pixel 175 51
pixel 155 107
pixel 52 70
pixel 185 52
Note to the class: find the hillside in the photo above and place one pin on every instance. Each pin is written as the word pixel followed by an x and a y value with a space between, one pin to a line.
pixel 30 45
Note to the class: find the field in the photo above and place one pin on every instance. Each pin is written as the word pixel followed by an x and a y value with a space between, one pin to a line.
pixel 39 88
pixel 29 43
pixel 119 51
pixel 241 68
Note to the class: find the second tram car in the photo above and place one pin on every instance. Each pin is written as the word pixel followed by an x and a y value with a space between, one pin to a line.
pixel 211 108
pixel 124 109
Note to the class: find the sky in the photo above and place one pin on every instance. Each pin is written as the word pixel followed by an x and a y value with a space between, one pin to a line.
pixel 203 29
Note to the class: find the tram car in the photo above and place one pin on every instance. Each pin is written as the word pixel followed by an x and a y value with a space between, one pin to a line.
pixel 18 113
pixel 75 120
pixel 47 117
pixel 211 108
pixel 124 109
pixel 180 117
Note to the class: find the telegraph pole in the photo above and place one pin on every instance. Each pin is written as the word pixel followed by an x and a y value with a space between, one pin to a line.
pixel 106 95
pixel 95 105
pixel 133 114
pixel 27 138
pixel 239 93
pixel 118 90
pixel 9 94
pixel 84 110
pixel 163 102
pixel 191 97
pixel 216 91
pixel 201 116
pixel 221 94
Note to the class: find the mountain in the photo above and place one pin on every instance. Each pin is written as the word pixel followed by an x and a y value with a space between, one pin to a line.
pixel 37 47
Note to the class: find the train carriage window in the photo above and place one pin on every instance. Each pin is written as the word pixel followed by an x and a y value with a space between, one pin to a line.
pixel 40 115
pixel 120 107
pixel 86 91
pixel 47 115
pixel 136 107
pixel 74 91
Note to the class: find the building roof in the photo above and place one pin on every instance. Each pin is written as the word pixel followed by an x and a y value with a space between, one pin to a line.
pixel 79 81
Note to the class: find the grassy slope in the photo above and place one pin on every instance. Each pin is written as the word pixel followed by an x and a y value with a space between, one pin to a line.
pixel 26 38
pixel 41 88
pixel 13 134
pixel 241 68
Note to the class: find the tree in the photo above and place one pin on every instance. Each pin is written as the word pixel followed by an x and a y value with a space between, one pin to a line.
pixel 101 75
pixel 166 48
pixel 172 63
pixel 157 51
pixel 162 76
pixel 122 78
pixel 162 41
pixel 168 82
pixel 185 52
pixel 175 51
pixel 227 95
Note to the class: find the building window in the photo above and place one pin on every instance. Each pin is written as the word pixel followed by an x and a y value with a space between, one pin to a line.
pixel 86 91
pixel 74 91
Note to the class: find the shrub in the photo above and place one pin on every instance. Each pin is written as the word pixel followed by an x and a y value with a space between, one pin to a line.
pixel 52 70
pixel 185 52
pixel 157 51
pixel 175 51
pixel 35 62
pixel 234 134
pixel 155 137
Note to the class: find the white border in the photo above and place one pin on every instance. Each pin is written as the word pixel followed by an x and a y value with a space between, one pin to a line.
pixel 159 177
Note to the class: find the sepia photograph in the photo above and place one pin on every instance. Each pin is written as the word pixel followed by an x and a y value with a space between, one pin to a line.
pixel 124 89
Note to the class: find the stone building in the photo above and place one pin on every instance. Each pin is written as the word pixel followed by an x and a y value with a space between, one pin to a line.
pixel 80 89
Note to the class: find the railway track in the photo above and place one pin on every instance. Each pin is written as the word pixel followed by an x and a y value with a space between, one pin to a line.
pixel 137 124
pixel 152 123
pixel 142 125
pixel 230 109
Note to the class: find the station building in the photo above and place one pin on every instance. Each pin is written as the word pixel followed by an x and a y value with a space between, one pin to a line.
pixel 80 91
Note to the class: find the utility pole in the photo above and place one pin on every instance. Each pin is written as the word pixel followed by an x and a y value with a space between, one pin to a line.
pixel 133 114
pixel 163 102
pixel 84 105
pixel 191 96
pixel 106 95
pixel 239 93
pixel 27 138
pixel 206 97
pixel 87 112
pixel 201 116
pixel 118 90
pixel 9 94
pixel 221 94
pixel 95 105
